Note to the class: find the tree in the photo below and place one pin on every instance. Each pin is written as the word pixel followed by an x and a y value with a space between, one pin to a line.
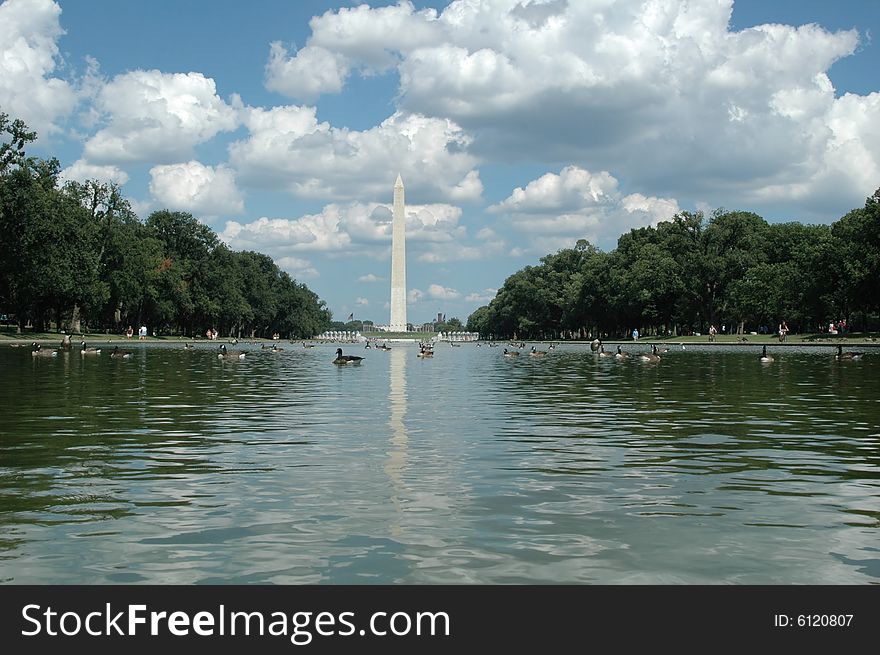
pixel 12 150
pixel 858 249
pixel 478 321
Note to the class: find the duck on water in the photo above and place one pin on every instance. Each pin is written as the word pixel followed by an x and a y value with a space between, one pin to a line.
pixel 39 351
pixel 846 356
pixel 84 350
pixel 231 355
pixel 120 354
pixel 342 360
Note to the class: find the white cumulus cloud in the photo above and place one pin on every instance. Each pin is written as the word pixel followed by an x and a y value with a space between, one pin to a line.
pixel 29 55
pixel 157 117
pixel 287 148
pixel 662 92
pixel 81 170
pixel 370 277
pixel 196 188
pixel 298 268
pixel 484 296
pixel 308 74
pixel 433 233
pixel 555 210
pixel 439 292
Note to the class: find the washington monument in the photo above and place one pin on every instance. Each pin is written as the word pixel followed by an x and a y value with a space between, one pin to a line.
pixel 398 261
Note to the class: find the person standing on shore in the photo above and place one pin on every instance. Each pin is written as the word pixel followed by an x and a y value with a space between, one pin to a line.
pixel 712 333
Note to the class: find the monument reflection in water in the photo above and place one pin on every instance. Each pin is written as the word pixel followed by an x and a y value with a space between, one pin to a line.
pixel 396 464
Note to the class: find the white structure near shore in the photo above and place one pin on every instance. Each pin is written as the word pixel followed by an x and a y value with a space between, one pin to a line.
pixel 398 261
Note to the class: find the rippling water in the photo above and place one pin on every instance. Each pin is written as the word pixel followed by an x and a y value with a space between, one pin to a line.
pixel 177 467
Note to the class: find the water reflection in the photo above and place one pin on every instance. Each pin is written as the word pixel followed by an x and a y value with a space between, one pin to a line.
pixel 396 462
pixel 175 466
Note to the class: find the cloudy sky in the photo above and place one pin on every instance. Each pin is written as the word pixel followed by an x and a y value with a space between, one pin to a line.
pixel 518 126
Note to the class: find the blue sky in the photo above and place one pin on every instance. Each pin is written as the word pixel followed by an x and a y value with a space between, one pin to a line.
pixel 519 126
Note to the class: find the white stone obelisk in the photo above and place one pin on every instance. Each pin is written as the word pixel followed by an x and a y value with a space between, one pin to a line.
pixel 398 261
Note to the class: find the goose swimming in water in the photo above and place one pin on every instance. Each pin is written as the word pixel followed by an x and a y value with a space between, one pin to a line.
pixel 510 353
pixel 537 353
pixel 88 351
pixel 122 354
pixel 765 357
pixel 602 352
pixel 39 351
pixel 341 359
pixel 846 356
pixel 620 354
pixel 232 355
pixel 651 356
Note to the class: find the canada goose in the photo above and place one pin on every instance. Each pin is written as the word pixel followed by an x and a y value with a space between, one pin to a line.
pixel 120 354
pixel 88 351
pixel 552 346
pixel 38 351
pixel 275 348
pixel 341 359
pixel 368 346
pixel 620 354
pixel 846 356
pixel 230 354
pixel 65 342
pixel 537 353
pixel 510 353
pixel 426 352
pixel 651 356
pixel 764 356
pixel 188 346
pixel 455 345
pixel 602 352
pixel 384 346
pixel 311 345
pixel 595 344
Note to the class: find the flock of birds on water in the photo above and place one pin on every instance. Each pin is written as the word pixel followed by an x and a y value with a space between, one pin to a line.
pixel 426 351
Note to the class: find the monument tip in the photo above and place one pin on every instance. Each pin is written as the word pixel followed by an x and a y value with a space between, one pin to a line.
pixel 399 181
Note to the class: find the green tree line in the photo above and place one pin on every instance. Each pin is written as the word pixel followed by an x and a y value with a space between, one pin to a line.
pixel 75 255
pixel 731 269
